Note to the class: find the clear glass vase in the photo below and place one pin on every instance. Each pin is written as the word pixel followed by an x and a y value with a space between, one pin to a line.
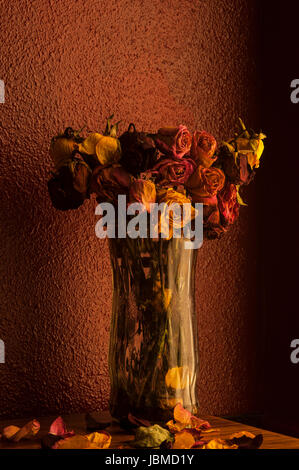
pixel 153 356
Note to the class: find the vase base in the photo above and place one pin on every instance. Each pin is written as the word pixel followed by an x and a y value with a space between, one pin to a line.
pixel 155 415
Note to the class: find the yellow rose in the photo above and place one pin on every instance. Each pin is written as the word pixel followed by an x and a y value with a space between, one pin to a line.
pixel 248 143
pixel 106 148
pixel 61 150
pixel 253 148
pixel 170 220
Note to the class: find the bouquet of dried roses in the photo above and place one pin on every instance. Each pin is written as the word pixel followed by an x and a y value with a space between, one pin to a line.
pixel 170 166
pixel 153 356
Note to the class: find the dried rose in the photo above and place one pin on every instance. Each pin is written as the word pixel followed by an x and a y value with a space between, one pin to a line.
pixel 205 183
pixel 173 220
pixel 169 171
pixel 144 192
pixel 235 166
pixel 69 186
pixel 108 182
pixel 250 144
pixel 107 149
pixel 174 141
pixel 228 203
pixel 211 218
pixel 203 148
pixel 139 151
pixel 63 146
pixel 239 156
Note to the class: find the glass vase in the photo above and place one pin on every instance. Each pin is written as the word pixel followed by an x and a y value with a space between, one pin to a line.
pixel 153 355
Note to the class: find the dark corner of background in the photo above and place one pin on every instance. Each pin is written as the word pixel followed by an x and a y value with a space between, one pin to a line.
pixel 277 192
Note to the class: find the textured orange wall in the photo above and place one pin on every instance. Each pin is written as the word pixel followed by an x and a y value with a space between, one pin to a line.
pixel 67 62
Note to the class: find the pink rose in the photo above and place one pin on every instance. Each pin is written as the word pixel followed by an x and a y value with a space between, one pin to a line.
pixel 170 171
pixel 174 141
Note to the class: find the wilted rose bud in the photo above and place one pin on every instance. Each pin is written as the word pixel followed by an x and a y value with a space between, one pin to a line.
pixel 203 148
pixel 239 156
pixel 228 204
pixel 139 151
pixel 69 187
pixel 63 146
pixel 235 166
pixel 61 150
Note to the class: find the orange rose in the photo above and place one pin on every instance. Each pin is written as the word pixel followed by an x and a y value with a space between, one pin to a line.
pixel 172 220
pixel 203 148
pixel 205 183
pixel 143 191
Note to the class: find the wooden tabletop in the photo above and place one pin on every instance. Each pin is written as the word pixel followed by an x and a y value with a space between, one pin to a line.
pixel 76 422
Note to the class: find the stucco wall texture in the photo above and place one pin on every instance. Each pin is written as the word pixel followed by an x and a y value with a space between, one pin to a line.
pixel 68 62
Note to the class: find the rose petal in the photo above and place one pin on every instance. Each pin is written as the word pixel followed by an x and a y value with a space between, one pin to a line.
pixel 99 440
pixel 58 427
pixel 10 431
pixel 175 427
pixel 183 440
pixel 26 432
pixel 182 415
pixel 73 442
pixel 219 444
pixel 246 440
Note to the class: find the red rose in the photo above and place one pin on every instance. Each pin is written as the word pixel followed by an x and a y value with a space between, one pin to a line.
pixel 173 171
pixel 109 182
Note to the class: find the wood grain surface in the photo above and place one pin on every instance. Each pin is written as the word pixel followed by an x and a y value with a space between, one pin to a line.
pixel 223 428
